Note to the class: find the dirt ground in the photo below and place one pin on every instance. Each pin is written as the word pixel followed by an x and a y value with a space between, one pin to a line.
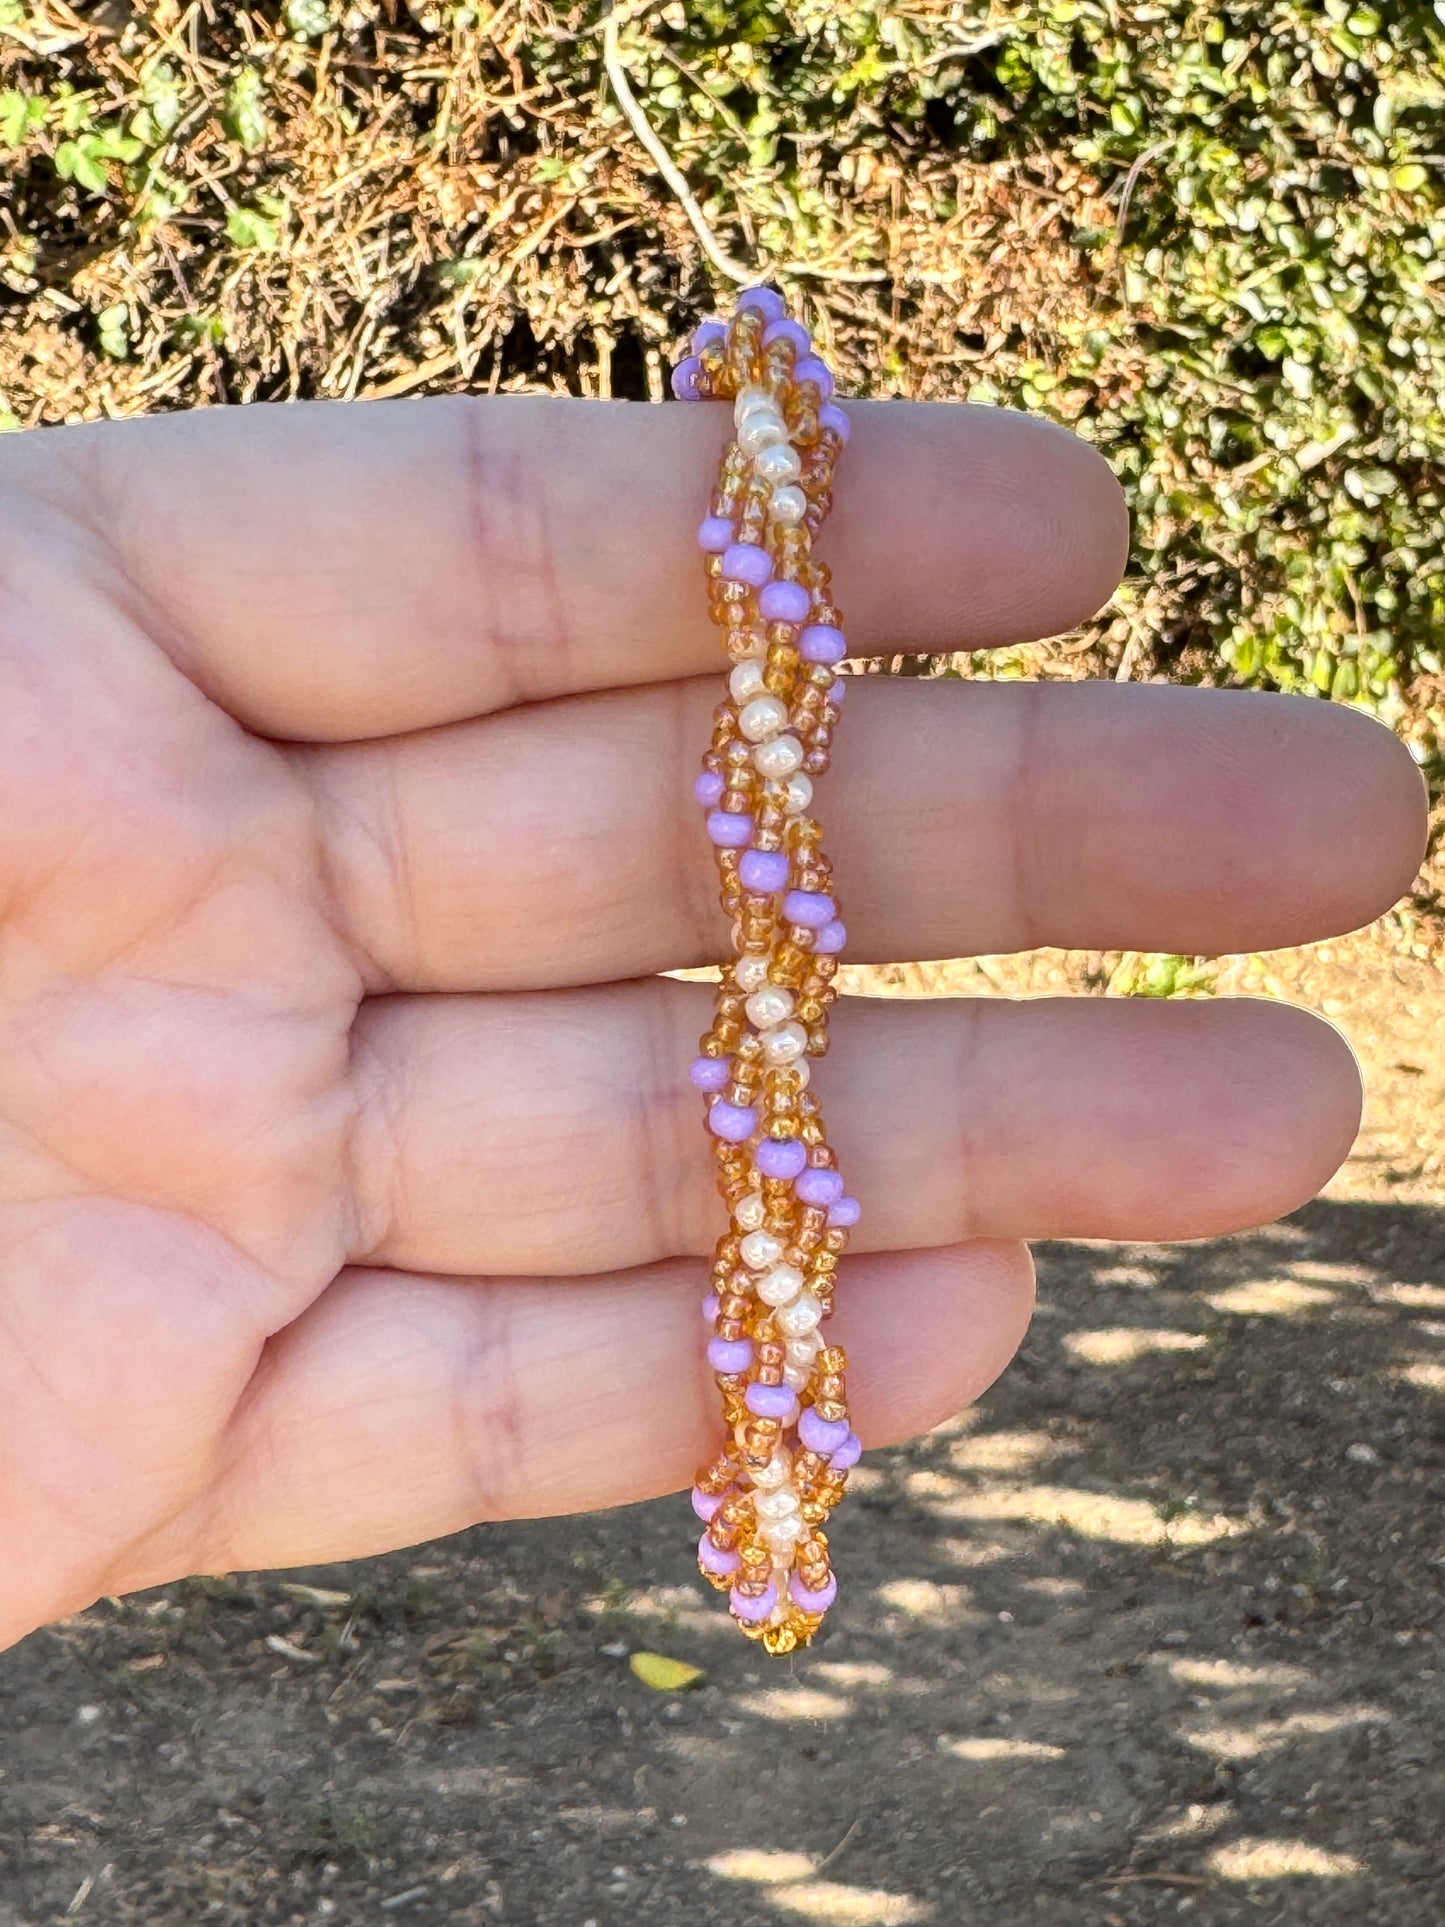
pixel 1153 1634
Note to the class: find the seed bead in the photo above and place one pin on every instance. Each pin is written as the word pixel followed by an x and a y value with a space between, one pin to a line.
pixel 788 1445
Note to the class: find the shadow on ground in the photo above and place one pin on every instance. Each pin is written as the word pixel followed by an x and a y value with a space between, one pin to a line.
pixel 1152 1634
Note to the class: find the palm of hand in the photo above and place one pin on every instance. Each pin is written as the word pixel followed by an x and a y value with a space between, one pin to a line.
pixel 177 1102
pixel 329 894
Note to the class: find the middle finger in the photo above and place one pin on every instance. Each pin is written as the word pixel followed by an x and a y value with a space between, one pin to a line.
pixel 559 844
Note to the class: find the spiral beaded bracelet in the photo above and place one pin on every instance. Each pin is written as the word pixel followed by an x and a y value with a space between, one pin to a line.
pixel 788 1444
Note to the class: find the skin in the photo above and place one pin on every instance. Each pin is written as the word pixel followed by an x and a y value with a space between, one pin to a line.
pixel 350 1191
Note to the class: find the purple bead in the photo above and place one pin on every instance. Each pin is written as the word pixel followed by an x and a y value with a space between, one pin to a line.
pixel 714 533
pixel 784 602
pixel 832 416
pixel 734 1123
pixel 684 379
pixel 813 1602
pixel 730 1354
pixel 838 691
pixel 729 829
pixel 830 939
pixel 785 329
pixel 767 301
pixel 811 369
pixel 848 1454
pixel 713 1559
pixel 746 562
pixel 763 872
pixel 708 789
pixel 771 1401
pixel 780 1157
pixel 710 1073
pixel 809 908
pixel 711 1305
pixel 705 1504
pixel 820 1186
pixel 821 642
pixel 823 1435
pixel 846 1212
pixel 709 331
pixel 753 1610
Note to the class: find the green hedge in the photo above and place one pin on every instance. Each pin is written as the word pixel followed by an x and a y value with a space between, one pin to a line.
pixel 1253 200
pixel 1210 237
pixel 1284 269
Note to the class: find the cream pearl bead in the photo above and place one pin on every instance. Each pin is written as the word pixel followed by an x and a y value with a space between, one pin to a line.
pixel 777 1472
pixel 779 464
pixel 750 972
pixel 761 1249
pixel 763 716
pixel 798 795
pixel 803 1071
pixel 800 1317
pixel 746 681
pixel 750 399
pixel 801 1352
pixel 788 505
pixel 795 1377
pixel 773 1004
pixel 784 1043
pixel 759 434
pixel 778 758
pixel 779 1504
pixel 782 1533
pixel 748 1212
pixel 781 1285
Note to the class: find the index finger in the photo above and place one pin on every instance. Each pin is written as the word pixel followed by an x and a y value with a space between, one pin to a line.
pixel 338 570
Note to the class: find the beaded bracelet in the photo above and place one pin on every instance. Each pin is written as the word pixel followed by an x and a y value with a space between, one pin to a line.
pixel 788 1444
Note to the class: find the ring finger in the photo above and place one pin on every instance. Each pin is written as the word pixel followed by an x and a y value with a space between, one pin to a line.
pixel 555 1134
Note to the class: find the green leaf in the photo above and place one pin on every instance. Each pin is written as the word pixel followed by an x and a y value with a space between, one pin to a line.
pixel 74 161
pixel 20 116
pixel 244 116
pixel 164 197
pixel 111 143
pixel 464 272
pixel 665 1675
pixel 113 324
pixel 193 328
pixel 308 19
pixel 161 92
pixel 77 111
pixel 249 227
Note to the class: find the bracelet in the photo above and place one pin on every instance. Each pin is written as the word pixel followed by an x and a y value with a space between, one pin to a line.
pixel 788 1444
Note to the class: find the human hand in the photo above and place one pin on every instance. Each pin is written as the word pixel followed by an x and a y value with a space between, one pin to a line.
pixel 351 1188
